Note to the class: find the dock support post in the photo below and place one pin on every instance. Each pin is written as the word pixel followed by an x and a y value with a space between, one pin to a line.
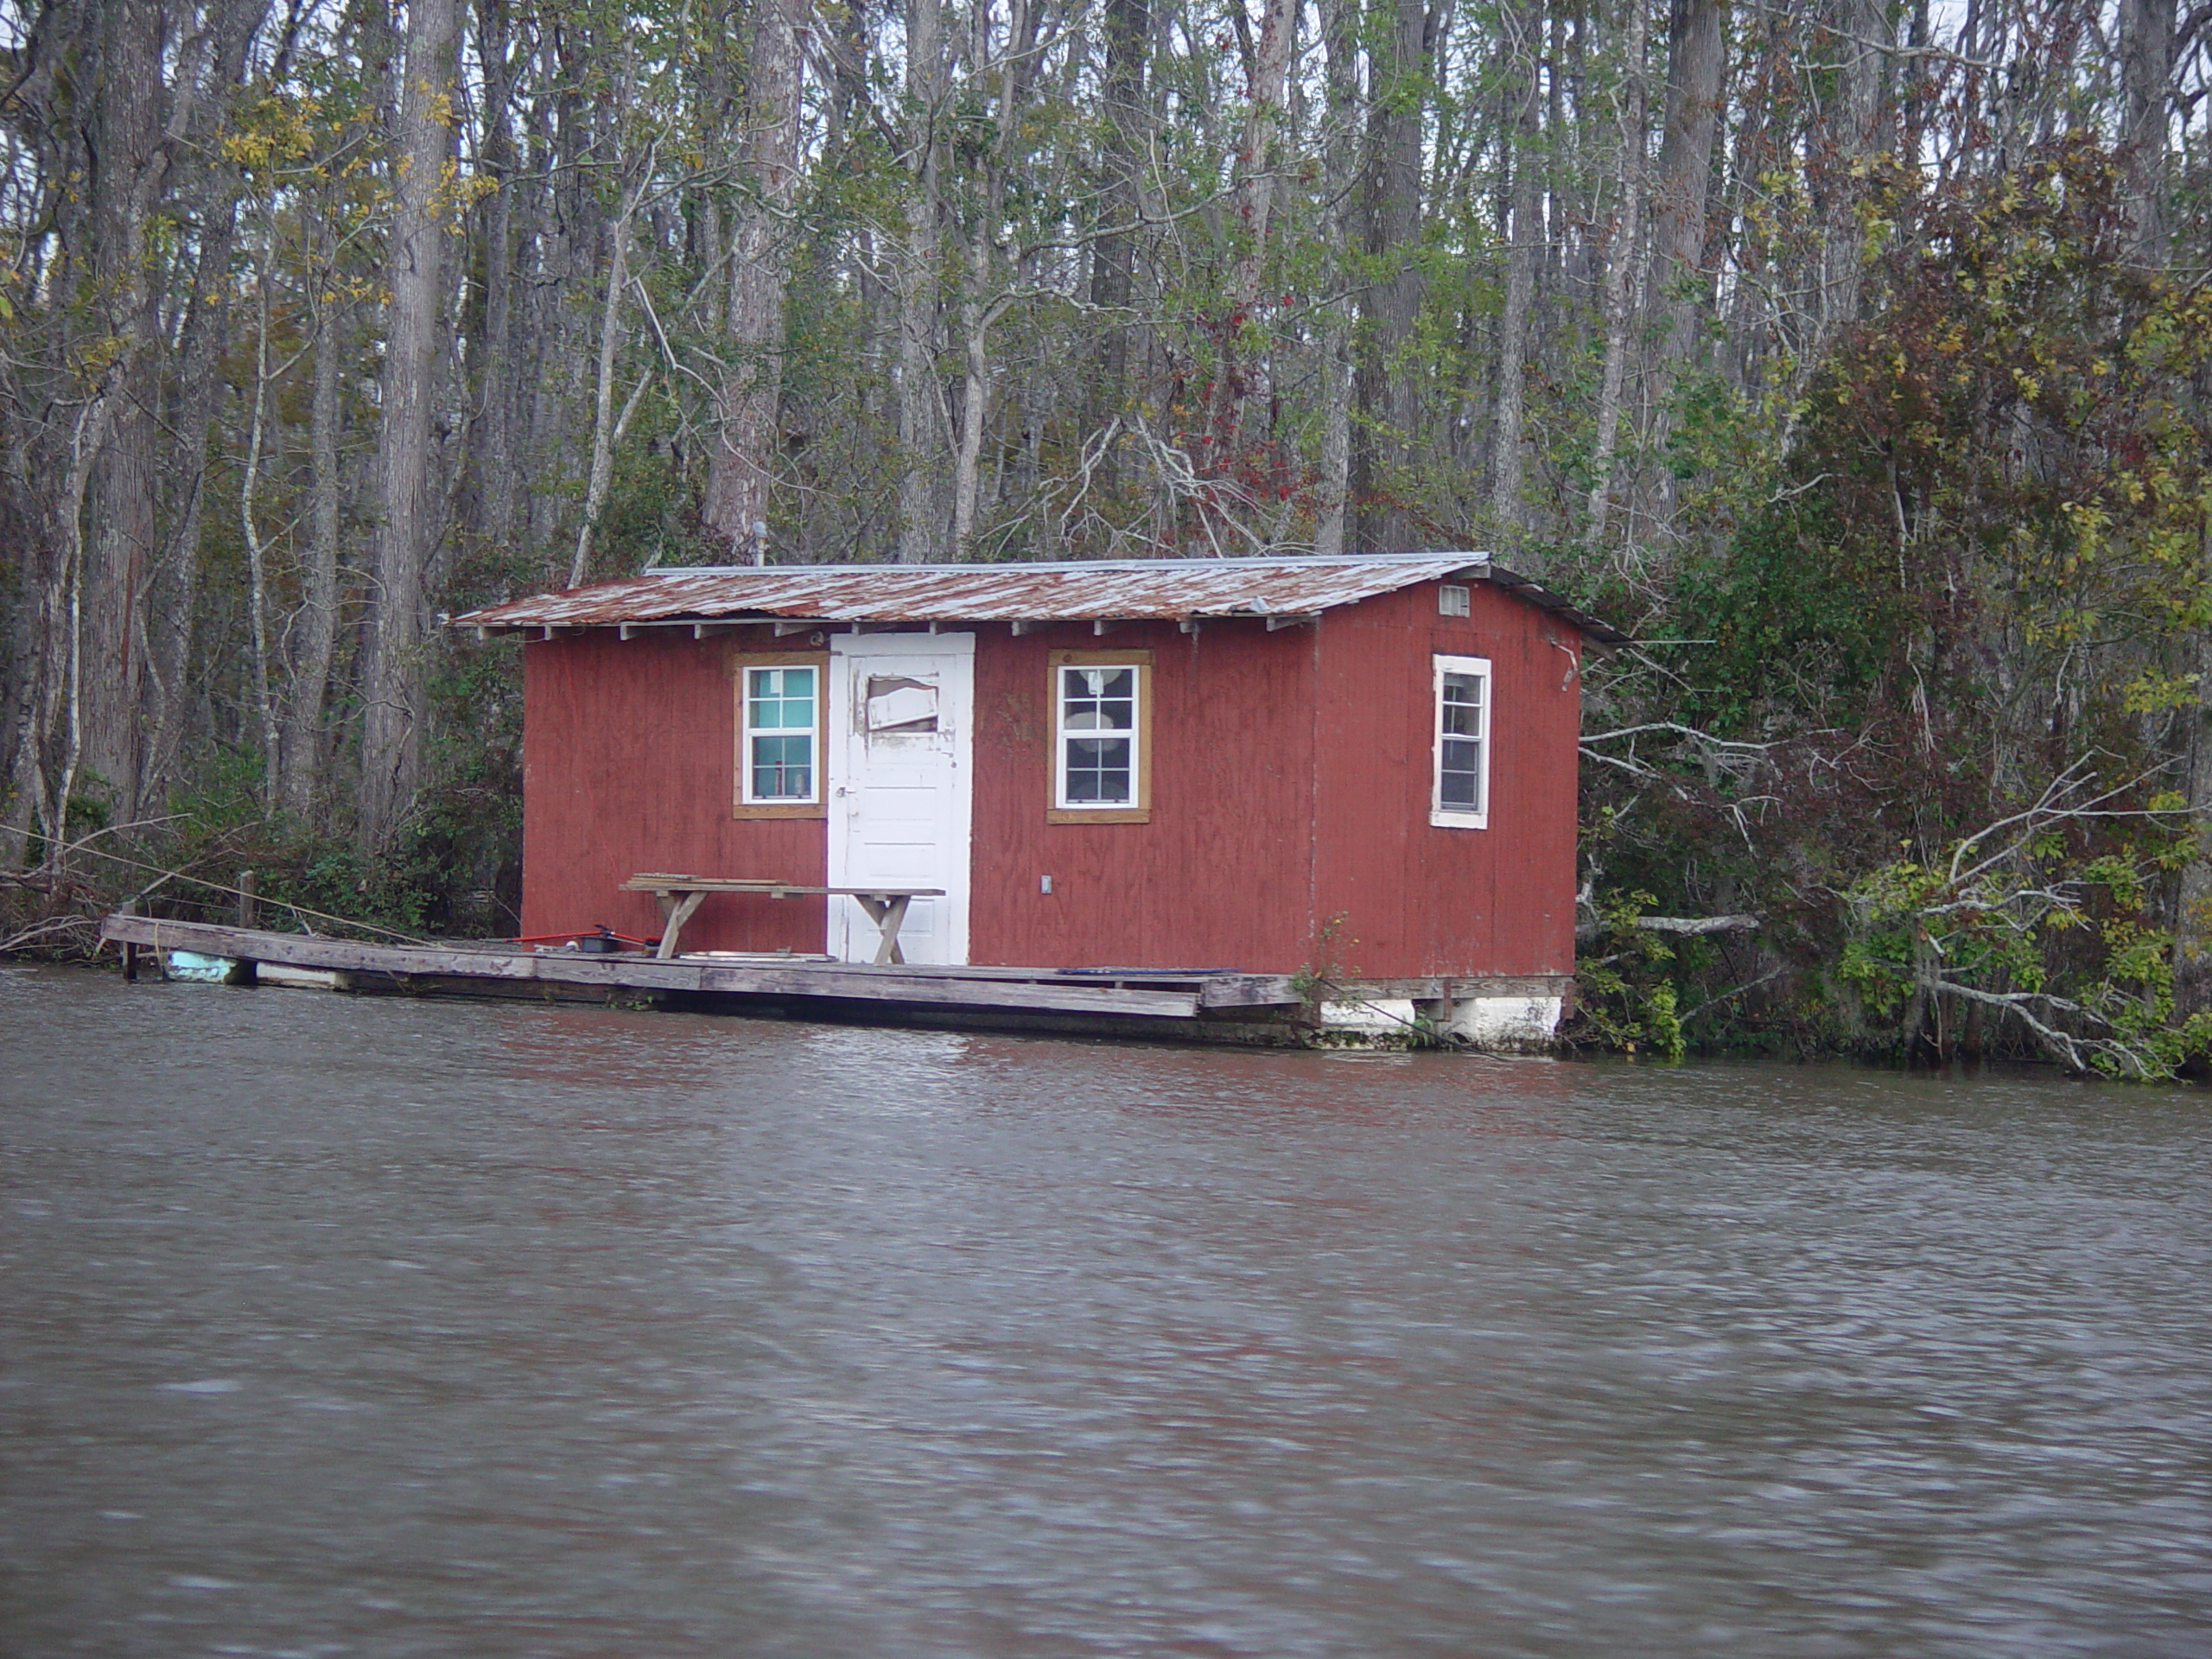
pixel 247 917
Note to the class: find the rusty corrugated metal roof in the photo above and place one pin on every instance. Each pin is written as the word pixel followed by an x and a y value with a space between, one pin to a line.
pixel 1072 591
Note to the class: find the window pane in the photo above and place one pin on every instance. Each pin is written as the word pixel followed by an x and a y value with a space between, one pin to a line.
pixel 1098 700
pixel 1460 721
pixel 1100 717
pixel 1098 724
pixel 1099 773
pixel 782 699
pixel 1463 705
pixel 1459 784
pixel 783 768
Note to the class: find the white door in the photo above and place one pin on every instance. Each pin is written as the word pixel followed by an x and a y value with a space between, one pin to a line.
pixel 901 753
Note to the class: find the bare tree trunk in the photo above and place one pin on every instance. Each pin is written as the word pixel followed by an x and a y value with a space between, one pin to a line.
pixel 31 646
pixel 556 236
pixel 1857 32
pixel 213 193
pixel 1121 196
pixel 2146 57
pixel 41 780
pixel 742 464
pixel 1622 260
pixel 979 307
pixel 1340 83
pixel 1252 201
pixel 1675 283
pixel 315 631
pixel 26 672
pixel 499 371
pixel 605 431
pixel 976 314
pixel 392 719
pixel 1516 326
pixel 2192 952
pixel 921 408
pixel 1752 148
pixel 255 555
pixel 92 426
pixel 107 703
pixel 203 340
pixel 1390 214
pixel 1693 67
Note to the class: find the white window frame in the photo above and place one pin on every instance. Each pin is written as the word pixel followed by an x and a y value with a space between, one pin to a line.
pixel 1458 817
pixel 1138 808
pixel 747 731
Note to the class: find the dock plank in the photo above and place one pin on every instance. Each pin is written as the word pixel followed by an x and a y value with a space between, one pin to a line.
pixel 1007 994
pixel 1248 991
pixel 845 981
pixel 307 951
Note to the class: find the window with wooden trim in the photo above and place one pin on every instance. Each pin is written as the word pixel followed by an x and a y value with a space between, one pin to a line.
pixel 1460 796
pixel 780 734
pixel 1101 737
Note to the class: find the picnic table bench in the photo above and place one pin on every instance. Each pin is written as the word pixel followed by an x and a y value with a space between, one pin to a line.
pixel 678 896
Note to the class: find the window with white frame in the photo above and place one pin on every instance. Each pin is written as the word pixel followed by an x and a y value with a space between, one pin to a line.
pixel 782 746
pixel 1100 727
pixel 1460 795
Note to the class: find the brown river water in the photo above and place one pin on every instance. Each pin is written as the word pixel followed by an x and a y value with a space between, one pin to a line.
pixel 348 1327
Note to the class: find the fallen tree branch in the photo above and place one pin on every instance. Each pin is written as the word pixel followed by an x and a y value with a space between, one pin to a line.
pixel 297 910
pixel 1634 768
pixel 47 929
pixel 2062 1046
pixel 35 881
pixel 1595 926
pixel 1715 1001
pixel 1696 924
pixel 1680 731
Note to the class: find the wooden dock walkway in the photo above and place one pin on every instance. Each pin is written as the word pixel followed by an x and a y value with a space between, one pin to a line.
pixel 1235 1007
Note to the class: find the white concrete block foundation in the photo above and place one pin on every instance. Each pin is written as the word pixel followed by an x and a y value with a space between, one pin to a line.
pixel 1499 1025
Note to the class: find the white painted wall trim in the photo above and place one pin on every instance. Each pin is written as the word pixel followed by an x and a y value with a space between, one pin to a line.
pixel 1453 817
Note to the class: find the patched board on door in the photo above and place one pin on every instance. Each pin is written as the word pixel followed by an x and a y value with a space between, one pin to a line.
pixel 896 703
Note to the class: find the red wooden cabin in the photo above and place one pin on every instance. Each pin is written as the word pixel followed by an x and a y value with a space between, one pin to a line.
pixel 1362 767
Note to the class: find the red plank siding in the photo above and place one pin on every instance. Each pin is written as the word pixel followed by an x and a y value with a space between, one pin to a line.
pixel 1220 877
pixel 1414 898
pixel 629 763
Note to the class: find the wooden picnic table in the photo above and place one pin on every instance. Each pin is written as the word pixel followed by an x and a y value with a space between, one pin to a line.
pixel 678 896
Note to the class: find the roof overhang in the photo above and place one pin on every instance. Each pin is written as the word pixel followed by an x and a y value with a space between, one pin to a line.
pixel 800 599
